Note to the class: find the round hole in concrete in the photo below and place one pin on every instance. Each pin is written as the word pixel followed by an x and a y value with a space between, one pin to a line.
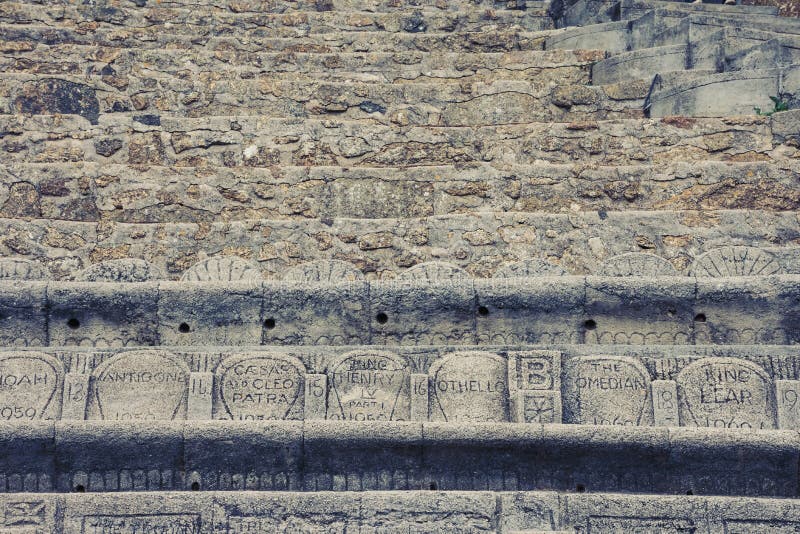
pixel 183 328
pixel 580 488
pixel 483 311
pixel 269 324
pixel 73 323
pixel 195 486
pixel 590 324
pixel 382 318
pixel 80 489
pixel 700 318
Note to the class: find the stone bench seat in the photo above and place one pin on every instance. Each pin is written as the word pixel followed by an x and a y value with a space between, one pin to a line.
pixel 346 456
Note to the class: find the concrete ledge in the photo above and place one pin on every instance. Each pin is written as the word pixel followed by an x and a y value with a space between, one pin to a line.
pixel 342 456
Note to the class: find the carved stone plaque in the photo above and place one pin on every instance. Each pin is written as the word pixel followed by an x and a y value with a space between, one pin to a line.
pixel 260 387
pixel 725 393
pixel 30 386
pixel 369 386
pixel 607 390
pixel 469 386
pixel 141 385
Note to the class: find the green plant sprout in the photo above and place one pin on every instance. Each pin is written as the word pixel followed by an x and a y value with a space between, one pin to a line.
pixel 780 105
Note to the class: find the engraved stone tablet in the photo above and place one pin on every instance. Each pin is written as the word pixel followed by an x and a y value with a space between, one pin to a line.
pixel 607 390
pixel 433 271
pixel 538 407
pixel 469 386
pixel 369 386
pixel 735 261
pixel 725 393
pixel 329 271
pixel 260 386
pixel 787 396
pixel 529 268
pixel 636 264
pixel 222 269
pixel 21 269
pixel 141 385
pixel 30 386
pixel 123 270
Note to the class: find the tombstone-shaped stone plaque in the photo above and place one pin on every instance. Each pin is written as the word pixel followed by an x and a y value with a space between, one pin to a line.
pixel 606 390
pixel 636 264
pixel 21 269
pixel 369 386
pixel 148 385
pixel 433 271
pixel 725 393
pixel 469 386
pixel 529 268
pixel 260 386
pixel 122 270
pixel 30 386
pixel 735 261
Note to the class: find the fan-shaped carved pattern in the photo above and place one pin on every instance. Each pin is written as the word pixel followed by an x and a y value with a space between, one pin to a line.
pixel 735 261
pixel 323 271
pixel 21 269
pixel 433 271
pixel 123 270
pixel 222 269
pixel 529 268
pixel 636 264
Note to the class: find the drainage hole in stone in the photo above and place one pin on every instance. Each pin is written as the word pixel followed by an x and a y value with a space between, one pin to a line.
pixel 269 324
pixel 483 311
pixel 690 492
pixel 433 486
pixel 381 318
pixel 183 328
pixel 195 486
pixel 73 323
pixel 700 318
pixel 580 488
pixel 590 324
pixel 80 489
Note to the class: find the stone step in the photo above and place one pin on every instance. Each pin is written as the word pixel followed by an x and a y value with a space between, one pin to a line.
pixel 479 243
pixel 430 303
pixel 398 511
pixel 346 456
pixel 116 64
pixel 279 6
pixel 156 194
pixel 586 12
pixel 419 104
pixel 491 40
pixel 651 387
pixel 255 142
pixel 729 93
pixel 195 22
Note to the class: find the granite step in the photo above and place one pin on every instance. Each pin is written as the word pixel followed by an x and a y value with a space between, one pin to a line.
pixel 343 456
pixel 490 40
pixel 124 193
pixel 394 511
pixel 193 22
pixel 478 243
pixel 538 67
pixel 251 141
pixel 418 104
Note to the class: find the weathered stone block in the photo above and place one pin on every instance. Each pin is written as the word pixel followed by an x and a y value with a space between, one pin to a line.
pixel 129 457
pixel 210 313
pixel 243 455
pixel 103 314
pixel 316 313
pixel 639 311
pixel 28 460
pixel 530 310
pixel 23 308
pixel 419 313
